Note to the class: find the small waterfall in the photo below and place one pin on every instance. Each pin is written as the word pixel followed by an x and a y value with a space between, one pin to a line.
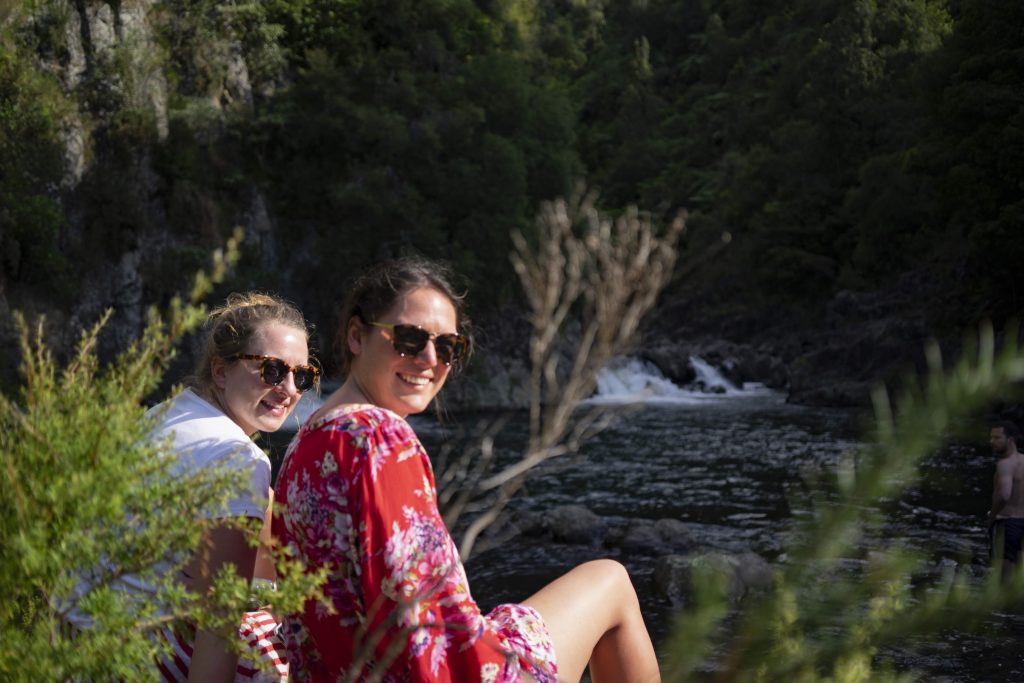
pixel 632 380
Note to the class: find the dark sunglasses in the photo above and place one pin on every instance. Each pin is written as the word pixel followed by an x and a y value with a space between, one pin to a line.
pixel 274 370
pixel 409 340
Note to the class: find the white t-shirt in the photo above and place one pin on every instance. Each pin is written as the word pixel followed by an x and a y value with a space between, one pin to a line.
pixel 202 436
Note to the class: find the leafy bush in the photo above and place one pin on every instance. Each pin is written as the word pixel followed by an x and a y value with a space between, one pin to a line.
pixel 86 493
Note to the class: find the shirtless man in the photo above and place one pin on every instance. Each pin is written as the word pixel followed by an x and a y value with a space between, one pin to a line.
pixel 1006 518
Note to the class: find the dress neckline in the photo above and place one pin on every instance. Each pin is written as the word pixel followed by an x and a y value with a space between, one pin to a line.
pixel 341 411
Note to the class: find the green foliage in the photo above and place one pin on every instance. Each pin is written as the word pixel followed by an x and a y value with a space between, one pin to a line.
pixel 839 143
pixel 31 156
pixel 823 623
pixel 771 121
pixel 205 41
pixel 419 126
pixel 974 152
pixel 40 26
pixel 88 494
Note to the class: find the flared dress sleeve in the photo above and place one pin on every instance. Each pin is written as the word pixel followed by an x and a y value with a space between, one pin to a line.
pixel 359 496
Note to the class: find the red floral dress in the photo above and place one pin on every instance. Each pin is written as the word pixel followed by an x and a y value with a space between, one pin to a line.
pixel 357 495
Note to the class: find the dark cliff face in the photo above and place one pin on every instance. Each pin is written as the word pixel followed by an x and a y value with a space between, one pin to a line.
pixel 129 231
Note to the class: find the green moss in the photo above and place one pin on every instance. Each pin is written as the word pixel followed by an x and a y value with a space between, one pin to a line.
pixel 42 29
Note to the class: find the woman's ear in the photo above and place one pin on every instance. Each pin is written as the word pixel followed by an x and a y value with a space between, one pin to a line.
pixel 219 372
pixel 354 338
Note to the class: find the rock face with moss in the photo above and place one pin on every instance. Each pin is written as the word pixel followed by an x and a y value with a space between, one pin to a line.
pixel 105 215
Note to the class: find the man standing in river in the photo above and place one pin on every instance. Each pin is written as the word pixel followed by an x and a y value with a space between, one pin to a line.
pixel 1006 518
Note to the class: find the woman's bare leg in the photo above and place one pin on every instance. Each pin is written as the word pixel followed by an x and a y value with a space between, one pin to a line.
pixel 594 618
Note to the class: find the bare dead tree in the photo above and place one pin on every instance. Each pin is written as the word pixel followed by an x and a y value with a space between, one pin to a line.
pixel 589 270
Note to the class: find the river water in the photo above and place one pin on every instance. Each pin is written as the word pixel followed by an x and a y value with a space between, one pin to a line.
pixel 733 467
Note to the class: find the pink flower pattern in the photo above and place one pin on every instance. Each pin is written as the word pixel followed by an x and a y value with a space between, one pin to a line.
pixel 357 496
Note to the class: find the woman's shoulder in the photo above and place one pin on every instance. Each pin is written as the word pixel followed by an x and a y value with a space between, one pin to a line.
pixel 351 433
pixel 187 408
pixel 355 429
pixel 358 418
pixel 200 434
pixel 192 417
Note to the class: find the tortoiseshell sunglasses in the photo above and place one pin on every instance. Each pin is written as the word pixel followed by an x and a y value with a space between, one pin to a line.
pixel 274 370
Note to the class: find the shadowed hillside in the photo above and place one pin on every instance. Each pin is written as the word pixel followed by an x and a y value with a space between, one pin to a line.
pixel 863 161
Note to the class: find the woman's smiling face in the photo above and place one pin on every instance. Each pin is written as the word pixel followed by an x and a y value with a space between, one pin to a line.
pixel 403 384
pixel 251 403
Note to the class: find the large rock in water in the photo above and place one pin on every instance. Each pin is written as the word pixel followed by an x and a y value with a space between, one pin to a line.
pixel 747 573
pixel 565 524
pixel 575 524
pixel 650 537
pixel 673 362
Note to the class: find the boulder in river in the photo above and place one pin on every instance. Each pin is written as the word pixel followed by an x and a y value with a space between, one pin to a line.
pixel 575 524
pixel 748 573
pixel 652 537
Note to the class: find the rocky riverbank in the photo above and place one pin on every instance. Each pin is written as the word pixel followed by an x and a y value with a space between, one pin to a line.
pixel 668 540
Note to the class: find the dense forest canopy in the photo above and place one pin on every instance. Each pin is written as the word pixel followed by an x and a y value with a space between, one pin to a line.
pixel 844 146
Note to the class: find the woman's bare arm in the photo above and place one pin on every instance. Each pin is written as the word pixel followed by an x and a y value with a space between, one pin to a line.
pixel 213 658
pixel 264 561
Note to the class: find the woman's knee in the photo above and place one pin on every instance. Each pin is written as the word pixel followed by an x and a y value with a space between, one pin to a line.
pixel 623 651
pixel 598 590
pixel 611 576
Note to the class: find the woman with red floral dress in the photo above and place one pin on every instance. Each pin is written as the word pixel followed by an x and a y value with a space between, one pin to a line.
pixel 357 496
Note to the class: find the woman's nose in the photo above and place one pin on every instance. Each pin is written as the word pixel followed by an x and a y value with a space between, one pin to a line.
pixel 288 384
pixel 428 356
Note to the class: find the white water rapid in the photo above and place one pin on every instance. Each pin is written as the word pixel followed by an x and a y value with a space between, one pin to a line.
pixel 630 380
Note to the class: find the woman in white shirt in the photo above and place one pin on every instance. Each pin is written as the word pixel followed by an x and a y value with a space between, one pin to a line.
pixel 252 372
pixel 253 369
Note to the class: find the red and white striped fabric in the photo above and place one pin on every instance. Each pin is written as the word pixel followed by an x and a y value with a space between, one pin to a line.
pixel 263 659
